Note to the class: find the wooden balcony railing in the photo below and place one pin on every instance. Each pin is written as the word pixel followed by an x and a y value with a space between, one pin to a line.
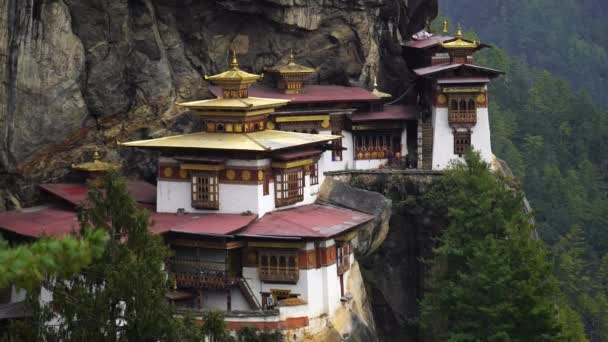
pixel 200 273
pixel 279 274
pixel 373 152
pixel 462 117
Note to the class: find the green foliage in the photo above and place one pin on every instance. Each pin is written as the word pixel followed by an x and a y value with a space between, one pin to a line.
pixel 566 37
pixel 214 328
pixel 254 335
pixel 120 296
pixel 25 266
pixel 490 281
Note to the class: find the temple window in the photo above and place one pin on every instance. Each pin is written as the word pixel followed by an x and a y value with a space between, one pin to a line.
pixel 289 186
pixel 376 145
pixel 266 184
pixel 462 142
pixel 314 173
pixel 462 110
pixel 336 153
pixel 205 192
pixel 278 266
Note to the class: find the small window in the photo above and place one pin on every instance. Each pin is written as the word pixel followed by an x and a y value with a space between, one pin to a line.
pixel 462 142
pixel 336 153
pixel 205 194
pixel 314 174
pixel 471 107
pixel 289 186
pixel 454 105
pixel 266 184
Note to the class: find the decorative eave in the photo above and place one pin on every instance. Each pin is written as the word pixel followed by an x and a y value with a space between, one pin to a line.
pixel 97 165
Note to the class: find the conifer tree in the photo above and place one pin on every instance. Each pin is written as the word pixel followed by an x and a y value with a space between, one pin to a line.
pixel 490 280
pixel 119 297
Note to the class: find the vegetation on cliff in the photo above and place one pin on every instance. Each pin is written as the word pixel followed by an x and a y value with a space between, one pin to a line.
pixel 119 296
pixel 489 280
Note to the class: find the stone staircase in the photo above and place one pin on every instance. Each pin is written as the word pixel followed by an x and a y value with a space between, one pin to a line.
pixel 249 295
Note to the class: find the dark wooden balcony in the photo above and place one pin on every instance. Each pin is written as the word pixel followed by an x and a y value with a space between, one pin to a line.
pixel 279 274
pixel 467 118
pixel 196 273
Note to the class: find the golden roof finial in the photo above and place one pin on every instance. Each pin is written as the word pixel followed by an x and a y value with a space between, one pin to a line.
pixel 292 57
pixel 379 93
pixel 96 156
pixel 235 63
pixel 445 26
pixel 459 31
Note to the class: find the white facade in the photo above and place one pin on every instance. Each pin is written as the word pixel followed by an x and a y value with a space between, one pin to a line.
pixel 443 138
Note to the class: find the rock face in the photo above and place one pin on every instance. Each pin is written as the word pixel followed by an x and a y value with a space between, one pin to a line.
pixel 76 73
pixel 393 273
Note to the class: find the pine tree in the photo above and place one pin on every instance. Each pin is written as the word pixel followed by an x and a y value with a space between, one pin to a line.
pixel 490 280
pixel 119 297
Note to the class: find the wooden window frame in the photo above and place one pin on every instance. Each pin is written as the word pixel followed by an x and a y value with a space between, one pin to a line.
pixel 284 269
pixel 462 109
pixel 336 152
pixel 205 190
pixel 314 173
pixel 343 257
pixel 462 142
pixel 289 186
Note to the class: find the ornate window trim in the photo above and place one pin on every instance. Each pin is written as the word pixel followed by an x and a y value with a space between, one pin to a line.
pixel 205 190
pixel 289 186
pixel 462 142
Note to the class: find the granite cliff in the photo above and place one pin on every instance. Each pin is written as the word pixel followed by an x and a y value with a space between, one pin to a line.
pixel 78 73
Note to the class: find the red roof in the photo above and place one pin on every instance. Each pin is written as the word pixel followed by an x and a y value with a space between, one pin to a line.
pixel 35 222
pixel 309 221
pixel 434 69
pixel 51 221
pixel 311 94
pixel 390 112
pixel 76 193
pixel 204 224
pixel 429 42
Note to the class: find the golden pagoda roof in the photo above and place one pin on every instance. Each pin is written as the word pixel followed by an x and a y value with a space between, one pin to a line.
pixel 291 67
pixel 459 42
pixel 97 165
pixel 378 93
pixel 268 140
pixel 240 104
pixel 234 74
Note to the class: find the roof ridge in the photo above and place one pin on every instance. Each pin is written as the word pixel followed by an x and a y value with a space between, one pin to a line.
pixel 256 142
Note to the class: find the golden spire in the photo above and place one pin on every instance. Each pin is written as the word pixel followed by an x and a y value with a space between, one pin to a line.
pixel 292 57
pixel 378 93
pixel 459 31
pixel 97 165
pixel 235 63
pixel 445 26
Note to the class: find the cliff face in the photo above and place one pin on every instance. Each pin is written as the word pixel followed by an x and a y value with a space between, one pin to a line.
pixel 393 273
pixel 76 73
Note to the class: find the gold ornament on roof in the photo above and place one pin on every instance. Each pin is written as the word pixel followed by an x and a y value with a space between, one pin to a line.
pixel 291 76
pixel 445 26
pixel 378 93
pixel 459 42
pixel 97 165
pixel 291 67
pixel 234 81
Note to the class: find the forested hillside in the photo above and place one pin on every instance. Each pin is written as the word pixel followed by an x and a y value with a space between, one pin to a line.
pixel 566 37
pixel 550 124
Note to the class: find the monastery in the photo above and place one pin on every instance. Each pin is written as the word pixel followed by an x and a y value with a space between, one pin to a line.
pixel 237 202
